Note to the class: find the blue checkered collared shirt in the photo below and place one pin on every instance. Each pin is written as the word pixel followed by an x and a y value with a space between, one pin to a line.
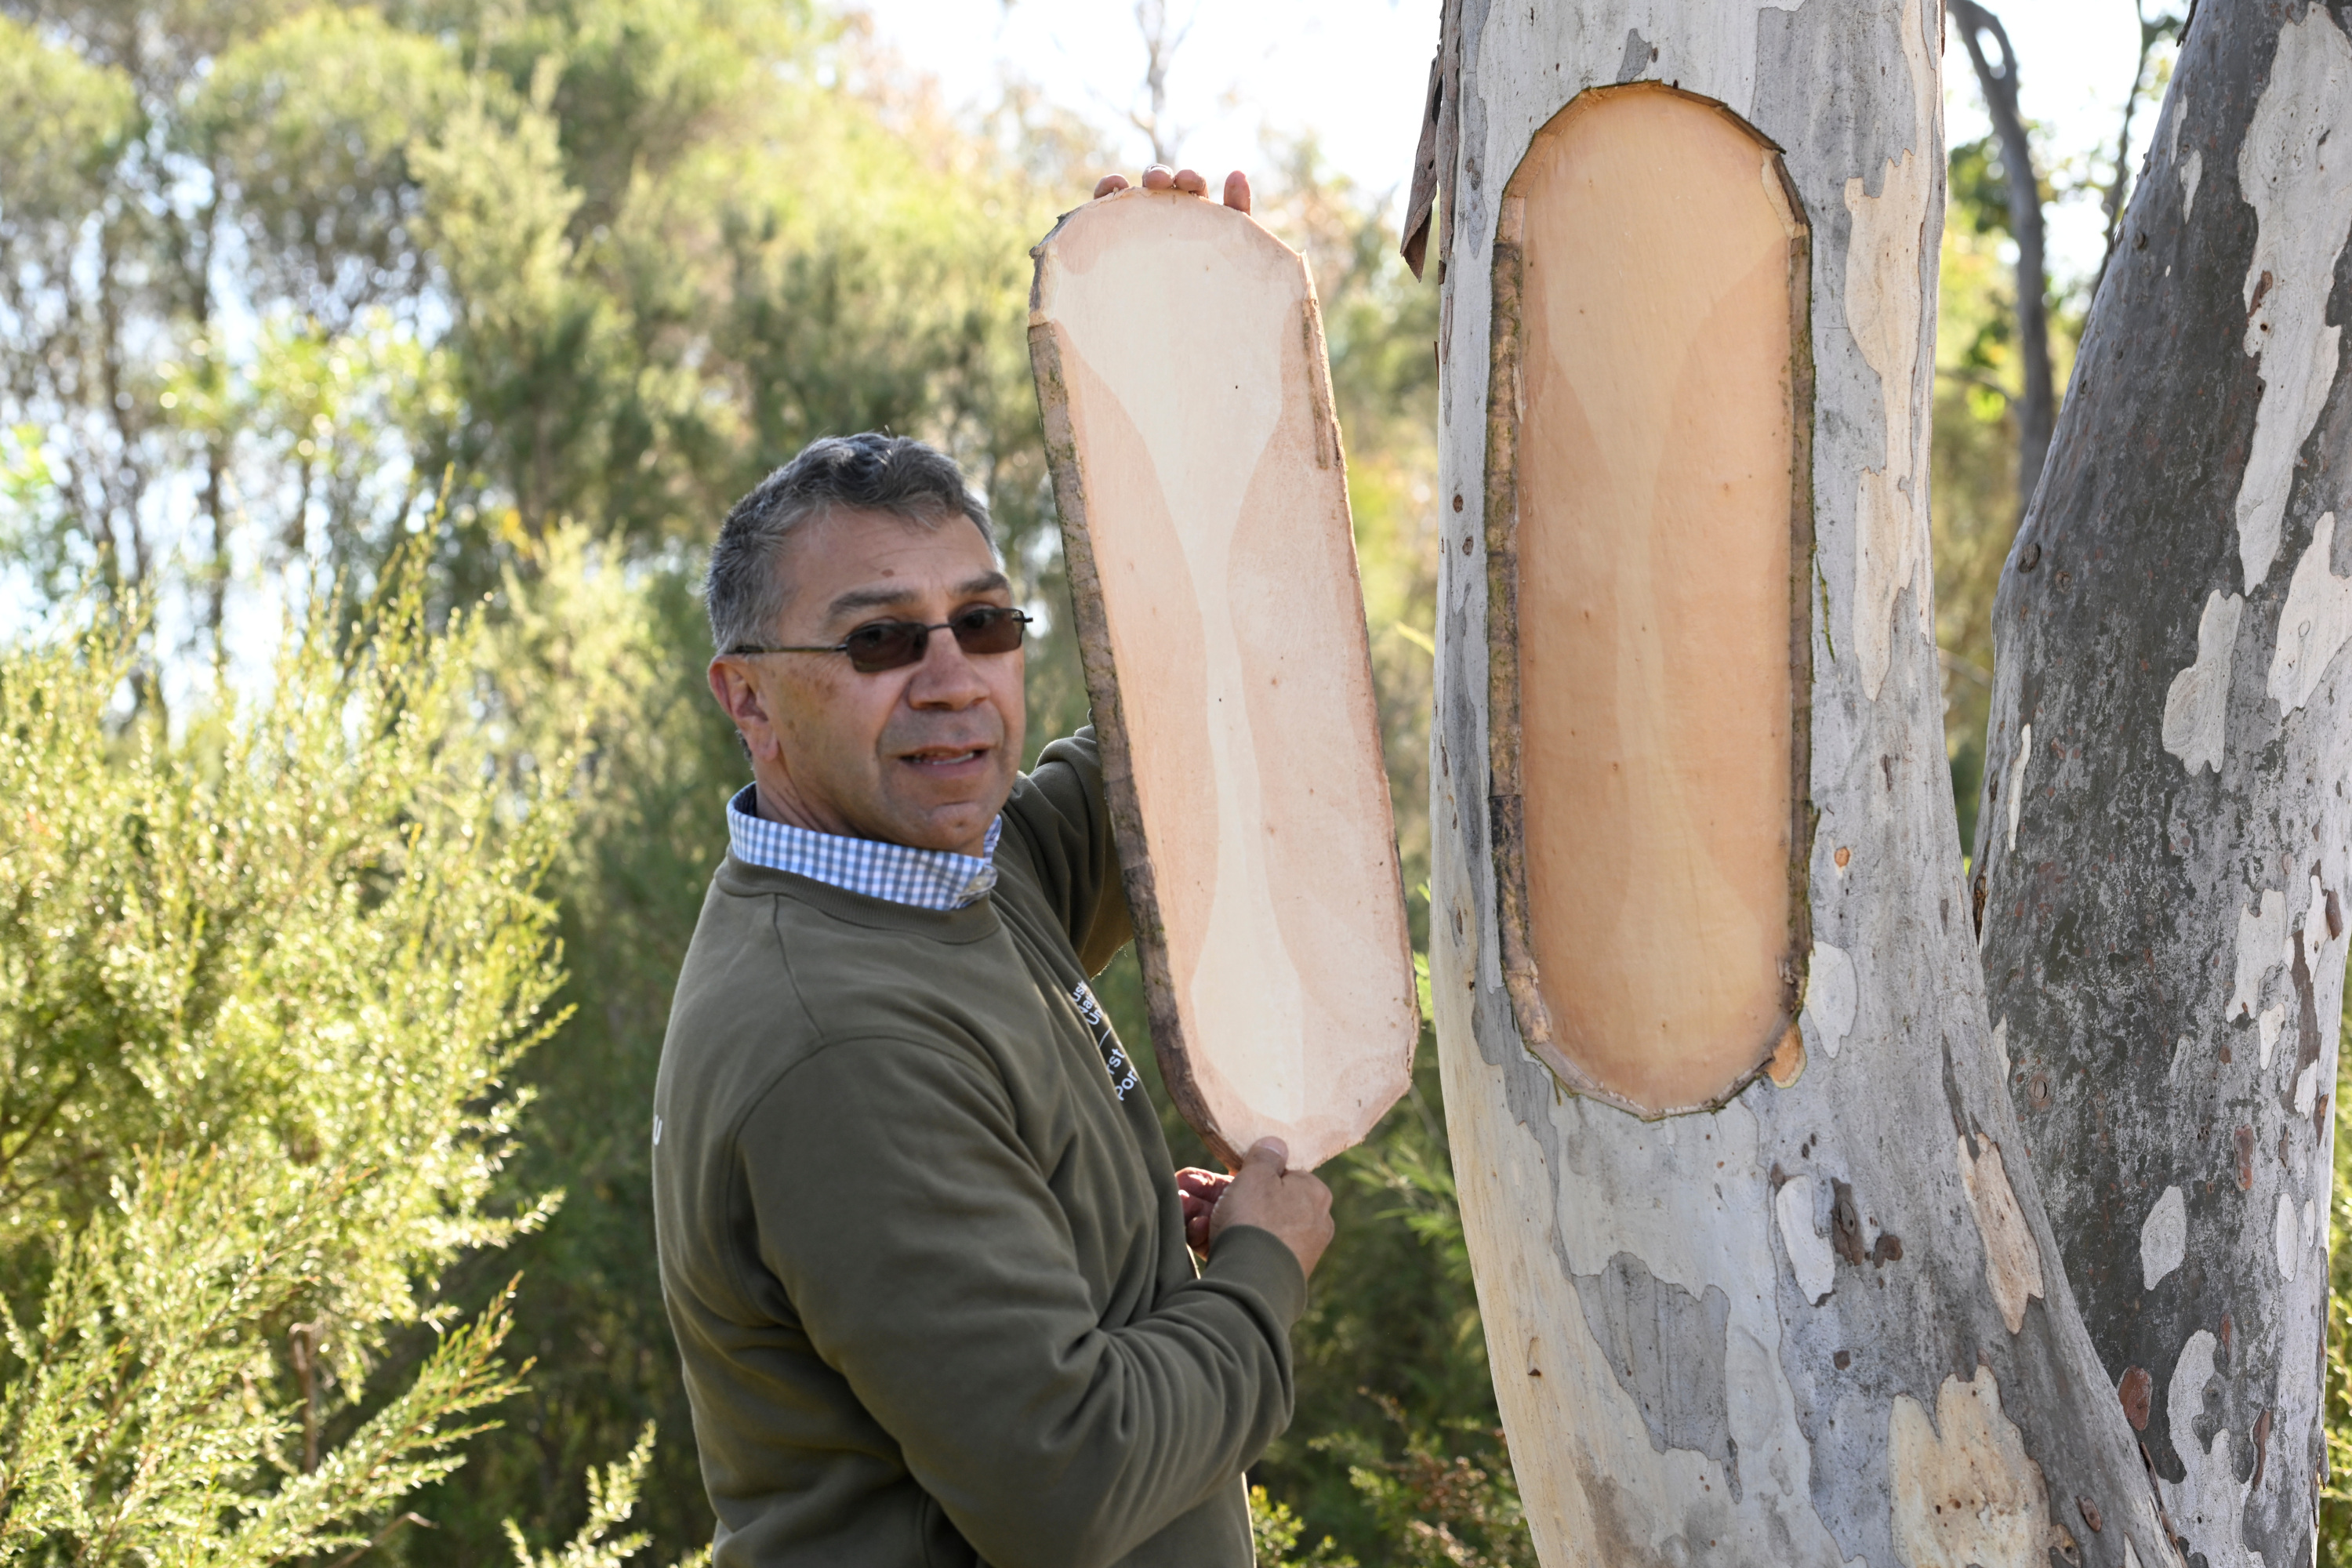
pixel 927 878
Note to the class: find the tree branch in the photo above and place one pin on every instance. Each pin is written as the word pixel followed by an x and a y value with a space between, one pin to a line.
pixel 2037 405
pixel 2119 187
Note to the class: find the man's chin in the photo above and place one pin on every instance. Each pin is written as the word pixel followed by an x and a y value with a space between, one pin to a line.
pixel 957 827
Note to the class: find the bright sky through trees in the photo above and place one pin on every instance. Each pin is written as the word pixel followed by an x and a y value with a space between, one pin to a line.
pixel 1351 72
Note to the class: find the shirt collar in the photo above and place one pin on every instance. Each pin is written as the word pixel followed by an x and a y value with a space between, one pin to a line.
pixel 926 879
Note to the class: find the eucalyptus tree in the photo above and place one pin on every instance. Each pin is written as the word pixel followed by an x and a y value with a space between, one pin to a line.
pixel 2162 851
pixel 1773 1264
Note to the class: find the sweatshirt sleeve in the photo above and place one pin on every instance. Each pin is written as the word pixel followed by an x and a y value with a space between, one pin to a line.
pixel 929 1264
pixel 1062 811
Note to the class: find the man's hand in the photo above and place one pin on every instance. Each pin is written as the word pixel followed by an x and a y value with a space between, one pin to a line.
pixel 1200 1191
pixel 1294 1205
pixel 1160 177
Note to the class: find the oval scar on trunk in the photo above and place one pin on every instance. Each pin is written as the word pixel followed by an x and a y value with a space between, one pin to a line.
pixel 1649 520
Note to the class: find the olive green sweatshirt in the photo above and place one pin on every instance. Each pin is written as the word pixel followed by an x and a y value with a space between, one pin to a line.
pixel 920 1237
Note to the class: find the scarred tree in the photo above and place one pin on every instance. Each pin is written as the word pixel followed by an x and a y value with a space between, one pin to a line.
pixel 1772 1267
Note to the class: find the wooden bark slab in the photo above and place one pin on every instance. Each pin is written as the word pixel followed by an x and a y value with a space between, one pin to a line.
pixel 1204 501
pixel 1648 460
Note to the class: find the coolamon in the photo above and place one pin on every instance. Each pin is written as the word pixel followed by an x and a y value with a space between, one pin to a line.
pixel 1652 645
pixel 1203 500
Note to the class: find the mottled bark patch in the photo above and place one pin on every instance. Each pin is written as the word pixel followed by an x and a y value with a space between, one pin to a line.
pixel 2301 191
pixel 2198 701
pixel 2137 1388
pixel 1883 299
pixel 1666 1347
pixel 1966 1495
pixel 2206 1504
pixel 1810 1257
pixel 2163 1238
pixel 2012 1263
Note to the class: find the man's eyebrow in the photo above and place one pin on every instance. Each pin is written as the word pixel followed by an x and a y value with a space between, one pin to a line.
pixel 882 597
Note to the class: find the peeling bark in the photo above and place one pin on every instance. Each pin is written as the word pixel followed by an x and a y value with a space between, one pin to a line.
pixel 1824 1322
pixel 2162 913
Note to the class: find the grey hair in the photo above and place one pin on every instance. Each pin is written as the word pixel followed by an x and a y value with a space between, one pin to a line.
pixel 745 593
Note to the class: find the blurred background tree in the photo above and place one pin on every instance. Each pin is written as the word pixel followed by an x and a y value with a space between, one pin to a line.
pixel 1991 426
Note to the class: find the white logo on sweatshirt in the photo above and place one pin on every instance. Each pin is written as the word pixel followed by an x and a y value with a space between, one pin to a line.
pixel 1113 1054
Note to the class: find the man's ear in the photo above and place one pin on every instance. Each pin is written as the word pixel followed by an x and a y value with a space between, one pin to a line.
pixel 739 697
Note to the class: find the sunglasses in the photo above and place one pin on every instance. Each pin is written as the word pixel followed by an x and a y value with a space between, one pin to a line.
pixel 878 646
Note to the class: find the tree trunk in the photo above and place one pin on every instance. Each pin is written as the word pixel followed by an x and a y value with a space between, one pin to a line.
pixel 1748 1298
pixel 2037 404
pixel 2163 845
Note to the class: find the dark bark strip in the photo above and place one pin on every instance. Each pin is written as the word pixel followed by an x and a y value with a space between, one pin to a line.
pixel 1433 161
pixel 2165 831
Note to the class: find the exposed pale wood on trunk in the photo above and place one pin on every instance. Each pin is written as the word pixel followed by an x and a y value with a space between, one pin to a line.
pixel 1825 1322
pixel 1655 381
pixel 1205 513
pixel 2163 900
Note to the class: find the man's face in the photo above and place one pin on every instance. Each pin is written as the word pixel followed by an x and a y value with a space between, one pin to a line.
pixel 922 755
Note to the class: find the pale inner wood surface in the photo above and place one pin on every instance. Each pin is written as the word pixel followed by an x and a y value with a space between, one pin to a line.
pixel 1654 602
pixel 1228 573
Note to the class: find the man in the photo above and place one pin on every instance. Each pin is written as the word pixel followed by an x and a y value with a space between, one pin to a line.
pixel 923 1249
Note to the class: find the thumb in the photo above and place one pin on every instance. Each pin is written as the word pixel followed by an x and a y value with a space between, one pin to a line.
pixel 1272 1154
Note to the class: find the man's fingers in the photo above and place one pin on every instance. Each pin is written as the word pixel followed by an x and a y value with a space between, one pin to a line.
pixel 1272 1153
pixel 1160 177
pixel 1193 1179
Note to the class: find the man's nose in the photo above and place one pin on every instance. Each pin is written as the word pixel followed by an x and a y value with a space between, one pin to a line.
pixel 946 678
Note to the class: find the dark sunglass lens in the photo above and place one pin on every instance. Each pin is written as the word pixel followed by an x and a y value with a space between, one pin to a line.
pixel 988 629
pixel 885 644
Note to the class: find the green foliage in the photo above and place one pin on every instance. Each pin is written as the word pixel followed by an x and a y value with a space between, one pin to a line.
pixel 542 287
pixel 613 1495
pixel 2335 1493
pixel 65 121
pixel 1275 1532
pixel 1440 1507
pixel 311 125
pixel 599 659
pixel 261 988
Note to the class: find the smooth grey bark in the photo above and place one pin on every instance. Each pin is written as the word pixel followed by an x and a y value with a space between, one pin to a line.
pixel 2162 848
pixel 2037 402
pixel 1825 1322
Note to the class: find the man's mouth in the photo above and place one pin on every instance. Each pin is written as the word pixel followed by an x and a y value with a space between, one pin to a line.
pixel 943 757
